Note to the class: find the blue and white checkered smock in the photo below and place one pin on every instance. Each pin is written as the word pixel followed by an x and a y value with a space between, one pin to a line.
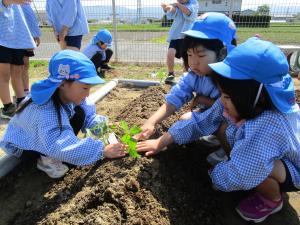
pixel 190 82
pixel 67 13
pixel 14 31
pixel 37 128
pixel 90 50
pixel 182 22
pixel 255 145
pixel 31 20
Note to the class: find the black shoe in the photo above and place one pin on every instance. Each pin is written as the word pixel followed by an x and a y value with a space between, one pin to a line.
pixel 106 67
pixel 9 112
pixel 101 73
pixel 170 79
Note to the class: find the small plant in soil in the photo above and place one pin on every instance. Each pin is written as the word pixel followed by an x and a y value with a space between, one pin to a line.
pixel 105 133
pixel 160 74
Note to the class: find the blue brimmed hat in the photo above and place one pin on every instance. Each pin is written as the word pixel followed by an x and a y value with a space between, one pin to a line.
pixel 214 25
pixel 103 35
pixel 264 62
pixel 65 65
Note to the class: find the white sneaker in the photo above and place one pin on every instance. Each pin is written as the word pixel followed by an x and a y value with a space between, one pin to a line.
pixel 53 168
pixel 210 141
pixel 217 157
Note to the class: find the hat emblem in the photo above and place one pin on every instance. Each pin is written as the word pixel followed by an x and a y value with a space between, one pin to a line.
pixel 64 70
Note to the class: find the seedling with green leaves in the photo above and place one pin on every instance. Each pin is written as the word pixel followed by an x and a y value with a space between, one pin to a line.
pixel 127 138
pixel 161 74
pixel 102 131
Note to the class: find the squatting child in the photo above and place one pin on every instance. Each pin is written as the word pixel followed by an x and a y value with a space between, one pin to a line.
pixel 47 123
pixel 99 51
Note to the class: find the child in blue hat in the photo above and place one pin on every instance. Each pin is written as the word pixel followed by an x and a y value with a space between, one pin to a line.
pixel 99 52
pixel 48 122
pixel 258 103
pixel 209 39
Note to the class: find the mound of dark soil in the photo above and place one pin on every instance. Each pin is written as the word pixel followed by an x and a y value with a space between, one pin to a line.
pixel 170 188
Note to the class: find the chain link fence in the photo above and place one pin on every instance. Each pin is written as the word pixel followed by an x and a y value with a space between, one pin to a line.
pixel 140 29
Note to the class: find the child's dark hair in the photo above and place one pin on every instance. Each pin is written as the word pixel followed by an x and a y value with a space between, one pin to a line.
pixel 192 43
pixel 243 94
pixel 56 101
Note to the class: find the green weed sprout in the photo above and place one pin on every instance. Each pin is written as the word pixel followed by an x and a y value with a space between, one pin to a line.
pixel 101 131
pixel 161 74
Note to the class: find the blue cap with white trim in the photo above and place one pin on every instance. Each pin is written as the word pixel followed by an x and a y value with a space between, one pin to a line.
pixel 65 65
pixel 264 62
pixel 214 25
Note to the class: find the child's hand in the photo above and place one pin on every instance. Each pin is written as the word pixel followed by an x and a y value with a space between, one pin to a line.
pixel 170 8
pixel 114 151
pixel 147 130
pixel 37 41
pixel 151 147
pixel 164 5
pixel 61 37
pixel 203 100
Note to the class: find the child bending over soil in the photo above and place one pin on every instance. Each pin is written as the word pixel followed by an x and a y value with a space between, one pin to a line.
pixel 208 41
pixel 47 123
pixel 258 103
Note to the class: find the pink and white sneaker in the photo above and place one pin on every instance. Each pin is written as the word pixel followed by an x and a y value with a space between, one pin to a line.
pixel 256 208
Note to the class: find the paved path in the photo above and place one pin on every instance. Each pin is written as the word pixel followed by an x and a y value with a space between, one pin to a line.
pixel 132 47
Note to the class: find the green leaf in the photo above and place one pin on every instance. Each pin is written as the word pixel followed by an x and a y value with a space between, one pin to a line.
pixel 102 130
pixel 132 149
pixel 124 126
pixel 161 75
pixel 135 130
pixel 126 139
pixel 113 127
pixel 89 133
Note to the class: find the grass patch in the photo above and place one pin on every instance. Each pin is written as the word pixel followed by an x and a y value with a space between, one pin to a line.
pixel 140 71
pixel 159 40
pixel 122 27
pixel 277 33
pixel 38 70
pixel 38 63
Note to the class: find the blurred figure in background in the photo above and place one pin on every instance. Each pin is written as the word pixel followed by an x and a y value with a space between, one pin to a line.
pixel 35 31
pixel 183 12
pixel 99 52
pixel 15 36
pixel 68 21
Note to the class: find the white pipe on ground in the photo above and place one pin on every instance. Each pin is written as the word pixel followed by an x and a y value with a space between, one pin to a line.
pixel 103 91
pixel 139 83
